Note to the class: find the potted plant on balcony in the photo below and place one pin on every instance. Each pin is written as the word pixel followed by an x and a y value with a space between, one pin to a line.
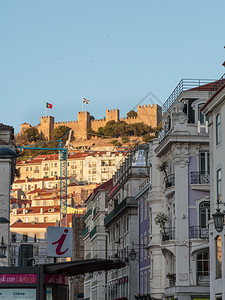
pixel 172 278
pixel 162 219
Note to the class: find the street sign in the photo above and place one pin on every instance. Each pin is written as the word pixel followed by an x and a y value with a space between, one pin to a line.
pixel 59 241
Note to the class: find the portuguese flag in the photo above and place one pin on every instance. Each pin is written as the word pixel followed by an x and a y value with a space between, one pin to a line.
pixel 48 105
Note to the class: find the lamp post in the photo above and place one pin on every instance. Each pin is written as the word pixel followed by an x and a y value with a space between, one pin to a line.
pixel 2 249
pixel 218 218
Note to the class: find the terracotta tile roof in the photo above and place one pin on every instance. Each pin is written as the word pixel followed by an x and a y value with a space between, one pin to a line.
pixel 106 186
pixel 19 181
pixel 37 209
pixel 31 225
pixel 206 87
pixel 214 95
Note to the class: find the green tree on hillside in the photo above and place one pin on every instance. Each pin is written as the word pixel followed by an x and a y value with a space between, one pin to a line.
pixel 59 132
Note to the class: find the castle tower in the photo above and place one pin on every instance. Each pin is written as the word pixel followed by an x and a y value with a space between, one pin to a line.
pixel 24 127
pixel 84 124
pixel 46 126
pixel 112 114
pixel 149 114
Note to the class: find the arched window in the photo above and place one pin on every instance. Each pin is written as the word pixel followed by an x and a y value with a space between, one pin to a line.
pixel 203 268
pixel 218 258
pixel 218 129
pixel 204 214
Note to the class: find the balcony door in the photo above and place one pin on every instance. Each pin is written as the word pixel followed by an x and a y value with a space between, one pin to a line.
pixel 204 216
pixel 204 163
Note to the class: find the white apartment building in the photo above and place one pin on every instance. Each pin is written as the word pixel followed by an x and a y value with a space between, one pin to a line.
pixel 122 224
pixel 29 225
pixel 214 109
pixel 7 171
pixel 179 203
pixel 95 240
pixel 86 167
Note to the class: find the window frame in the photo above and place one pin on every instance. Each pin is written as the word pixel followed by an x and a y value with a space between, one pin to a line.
pixel 218 129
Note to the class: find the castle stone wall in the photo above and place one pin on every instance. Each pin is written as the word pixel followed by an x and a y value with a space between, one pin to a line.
pixel 148 114
pixel 95 124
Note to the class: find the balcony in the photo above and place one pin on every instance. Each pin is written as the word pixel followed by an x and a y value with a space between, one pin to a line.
pixel 203 280
pixel 97 229
pixel 36 171
pixel 168 234
pixel 126 203
pixel 46 168
pixel 95 211
pixel 200 178
pixel 184 85
pixel 85 231
pixel 169 181
pixel 87 214
pixel 197 232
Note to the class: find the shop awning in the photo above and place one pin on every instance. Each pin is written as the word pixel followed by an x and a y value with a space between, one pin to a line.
pixel 76 267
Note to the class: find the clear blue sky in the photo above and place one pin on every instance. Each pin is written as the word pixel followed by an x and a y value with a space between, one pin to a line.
pixel 112 52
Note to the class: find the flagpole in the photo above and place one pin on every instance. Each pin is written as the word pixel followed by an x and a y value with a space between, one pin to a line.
pixel 82 104
pixel 45 110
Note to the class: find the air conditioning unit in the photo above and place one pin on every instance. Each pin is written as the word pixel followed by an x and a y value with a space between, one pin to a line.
pixel 51 210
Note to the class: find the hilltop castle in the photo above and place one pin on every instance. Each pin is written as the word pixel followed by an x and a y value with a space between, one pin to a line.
pixel 148 114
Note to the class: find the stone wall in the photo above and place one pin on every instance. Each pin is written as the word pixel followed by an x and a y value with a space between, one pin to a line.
pixel 148 114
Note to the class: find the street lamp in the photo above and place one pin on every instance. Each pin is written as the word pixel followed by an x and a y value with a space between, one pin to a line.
pixel 132 253
pixel 2 249
pixel 218 218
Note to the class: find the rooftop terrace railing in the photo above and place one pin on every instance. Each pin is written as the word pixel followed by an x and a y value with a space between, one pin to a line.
pixel 184 85
pixel 217 85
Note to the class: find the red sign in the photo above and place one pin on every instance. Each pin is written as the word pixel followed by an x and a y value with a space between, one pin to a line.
pixel 18 278
pixel 56 279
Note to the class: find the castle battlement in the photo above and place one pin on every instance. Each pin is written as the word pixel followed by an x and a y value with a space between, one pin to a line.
pixel 97 120
pixel 82 112
pixel 148 106
pixel 111 110
pixel 148 114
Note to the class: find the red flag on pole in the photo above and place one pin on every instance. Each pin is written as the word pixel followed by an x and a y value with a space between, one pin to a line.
pixel 49 105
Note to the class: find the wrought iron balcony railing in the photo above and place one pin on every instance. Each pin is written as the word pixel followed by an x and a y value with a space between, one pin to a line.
pixel 200 178
pixel 168 234
pixel 97 229
pixel 85 231
pixel 169 180
pixel 197 232
pixel 127 202
pixel 87 214
pixel 203 279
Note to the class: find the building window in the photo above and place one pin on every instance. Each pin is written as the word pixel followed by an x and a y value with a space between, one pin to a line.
pixel 201 116
pixel 218 129
pixel 204 214
pixel 203 268
pixel 36 238
pixel 25 238
pixel 218 258
pixel 141 284
pixel 13 237
pixel 219 187
pixel 204 166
